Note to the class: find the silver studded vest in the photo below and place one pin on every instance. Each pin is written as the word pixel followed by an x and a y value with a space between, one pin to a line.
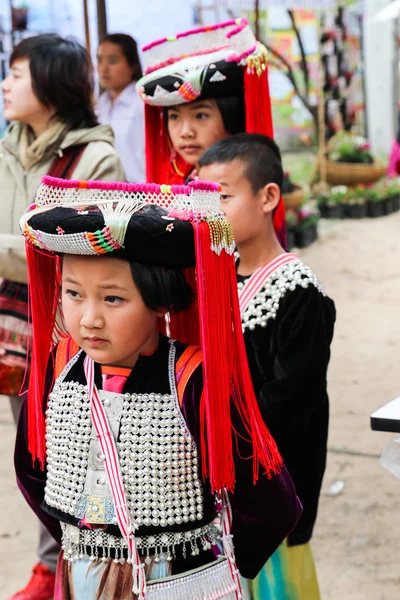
pixel 158 456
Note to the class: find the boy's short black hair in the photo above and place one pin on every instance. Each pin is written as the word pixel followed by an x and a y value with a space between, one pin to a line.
pixel 259 153
pixel 162 288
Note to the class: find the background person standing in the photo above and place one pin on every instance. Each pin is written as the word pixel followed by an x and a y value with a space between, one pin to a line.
pixel 119 68
pixel 54 131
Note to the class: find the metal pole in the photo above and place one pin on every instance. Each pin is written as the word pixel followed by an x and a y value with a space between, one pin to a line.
pixel 101 18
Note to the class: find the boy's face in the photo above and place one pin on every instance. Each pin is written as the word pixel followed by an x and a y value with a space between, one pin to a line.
pixel 245 210
pixel 104 311
pixel 194 127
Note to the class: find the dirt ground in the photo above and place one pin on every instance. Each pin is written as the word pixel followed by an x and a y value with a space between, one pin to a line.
pixel 357 538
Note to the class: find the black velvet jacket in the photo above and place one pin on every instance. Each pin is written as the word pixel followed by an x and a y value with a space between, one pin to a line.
pixel 263 514
pixel 288 361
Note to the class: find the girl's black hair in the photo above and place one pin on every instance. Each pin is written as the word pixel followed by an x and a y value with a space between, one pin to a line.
pixel 233 113
pixel 162 288
pixel 62 77
pixel 129 49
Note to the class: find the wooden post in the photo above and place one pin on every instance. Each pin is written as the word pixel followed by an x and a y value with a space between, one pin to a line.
pixel 257 19
pixel 321 113
pixel 87 28
pixel 101 18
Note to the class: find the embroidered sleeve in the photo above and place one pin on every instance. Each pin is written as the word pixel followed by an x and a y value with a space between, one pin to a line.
pixel 264 306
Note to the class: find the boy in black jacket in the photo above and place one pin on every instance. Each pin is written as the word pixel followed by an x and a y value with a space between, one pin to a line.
pixel 288 323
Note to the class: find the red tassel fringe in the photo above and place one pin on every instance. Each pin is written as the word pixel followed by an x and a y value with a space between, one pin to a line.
pixel 259 120
pixel 184 326
pixel 44 277
pixel 257 101
pixel 226 373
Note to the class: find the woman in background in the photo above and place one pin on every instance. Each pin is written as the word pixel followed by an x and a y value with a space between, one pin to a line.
pixel 54 131
pixel 119 68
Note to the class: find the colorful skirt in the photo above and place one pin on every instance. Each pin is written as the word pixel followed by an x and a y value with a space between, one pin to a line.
pixel 288 575
pixel 13 335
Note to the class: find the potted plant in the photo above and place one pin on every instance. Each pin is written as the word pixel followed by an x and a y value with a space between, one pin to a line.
pixel 375 203
pixel 307 221
pixel 329 207
pixel 387 192
pixel 291 222
pixel 350 161
pixel 355 203
pixel 392 194
pixel 293 195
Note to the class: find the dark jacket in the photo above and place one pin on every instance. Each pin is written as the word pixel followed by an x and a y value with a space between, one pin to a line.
pixel 288 361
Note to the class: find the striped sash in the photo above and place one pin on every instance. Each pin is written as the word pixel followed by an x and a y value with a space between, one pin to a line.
pixel 254 284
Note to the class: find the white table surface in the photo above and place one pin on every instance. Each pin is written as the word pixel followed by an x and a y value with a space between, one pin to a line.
pixel 387 418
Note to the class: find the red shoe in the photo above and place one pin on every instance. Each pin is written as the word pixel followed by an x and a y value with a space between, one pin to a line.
pixel 40 586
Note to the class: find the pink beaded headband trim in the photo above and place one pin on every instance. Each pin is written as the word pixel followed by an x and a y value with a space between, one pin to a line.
pixel 149 188
pixel 243 23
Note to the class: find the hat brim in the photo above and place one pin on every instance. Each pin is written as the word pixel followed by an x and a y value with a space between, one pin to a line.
pixel 195 78
pixel 152 237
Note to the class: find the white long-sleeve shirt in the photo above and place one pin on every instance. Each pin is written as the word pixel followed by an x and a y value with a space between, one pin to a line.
pixel 126 117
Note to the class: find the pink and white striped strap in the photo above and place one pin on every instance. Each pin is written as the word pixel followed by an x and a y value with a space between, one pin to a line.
pixel 227 543
pixel 113 471
pixel 259 277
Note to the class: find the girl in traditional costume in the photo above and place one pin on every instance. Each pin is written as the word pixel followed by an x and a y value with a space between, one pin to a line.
pixel 145 438
pixel 201 86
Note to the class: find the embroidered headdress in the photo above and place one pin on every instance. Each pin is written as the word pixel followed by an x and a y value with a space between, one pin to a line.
pixel 218 61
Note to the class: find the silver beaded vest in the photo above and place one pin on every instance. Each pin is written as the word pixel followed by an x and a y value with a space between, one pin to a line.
pixel 158 456
pixel 265 304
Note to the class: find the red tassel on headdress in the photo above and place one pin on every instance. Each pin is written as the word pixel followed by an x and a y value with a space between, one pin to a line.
pixel 257 102
pixel 259 120
pixel 163 165
pixel 226 373
pixel 184 326
pixel 44 278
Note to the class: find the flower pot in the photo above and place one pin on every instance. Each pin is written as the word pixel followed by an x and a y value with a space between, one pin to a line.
pixel 334 211
pixel 306 237
pixel 375 209
pixel 388 206
pixel 356 211
pixel 295 198
pixel 291 239
pixel 353 173
pixel 396 203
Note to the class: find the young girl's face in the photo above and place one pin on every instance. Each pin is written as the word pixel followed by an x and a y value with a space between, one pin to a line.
pixel 195 127
pixel 20 102
pixel 104 311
